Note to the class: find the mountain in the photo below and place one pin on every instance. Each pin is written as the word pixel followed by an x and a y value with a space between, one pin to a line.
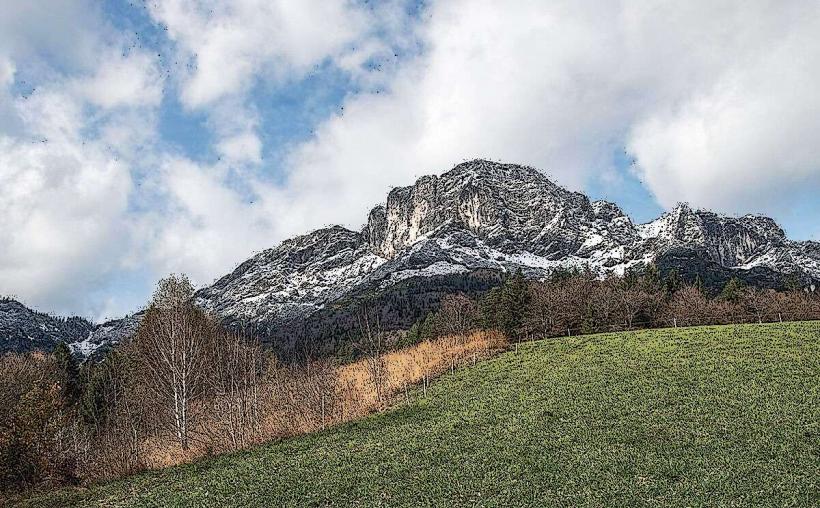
pixel 23 329
pixel 462 232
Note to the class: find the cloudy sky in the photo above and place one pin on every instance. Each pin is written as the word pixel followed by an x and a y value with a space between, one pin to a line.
pixel 139 138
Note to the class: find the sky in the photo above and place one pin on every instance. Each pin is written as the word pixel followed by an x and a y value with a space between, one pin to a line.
pixel 146 137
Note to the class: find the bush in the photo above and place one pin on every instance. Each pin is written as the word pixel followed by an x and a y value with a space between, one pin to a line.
pixel 37 446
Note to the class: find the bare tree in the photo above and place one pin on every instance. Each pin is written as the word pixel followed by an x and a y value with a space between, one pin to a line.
pixel 126 403
pixel 573 296
pixel 170 347
pixel 458 315
pixel 371 344
pixel 234 372
pixel 604 304
pixel 688 306
pixel 633 301
pixel 301 397
pixel 757 301
pixel 544 308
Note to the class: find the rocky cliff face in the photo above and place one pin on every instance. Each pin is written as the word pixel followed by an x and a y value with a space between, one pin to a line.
pixel 462 231
pixel 510 208
pixel 729 241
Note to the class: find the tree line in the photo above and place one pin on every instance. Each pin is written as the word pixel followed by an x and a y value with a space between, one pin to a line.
pixel 577 302
pixel 180 377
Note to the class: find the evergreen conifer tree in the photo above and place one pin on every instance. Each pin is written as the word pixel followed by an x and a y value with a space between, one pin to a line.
pixel 673 281
pixel 514 298
pixel 731 291
pixel 69 372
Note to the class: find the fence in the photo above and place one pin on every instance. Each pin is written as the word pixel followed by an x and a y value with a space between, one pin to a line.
pixel 674 322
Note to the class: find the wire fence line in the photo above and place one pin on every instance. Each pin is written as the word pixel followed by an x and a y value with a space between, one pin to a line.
pixel 459 360
pixel 673 322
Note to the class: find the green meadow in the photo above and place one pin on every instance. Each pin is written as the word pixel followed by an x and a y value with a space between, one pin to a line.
pixel 708 416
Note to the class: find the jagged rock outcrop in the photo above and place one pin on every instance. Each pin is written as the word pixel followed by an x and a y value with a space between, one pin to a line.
pixel 508 207
pixel 728 241
pixel 462 231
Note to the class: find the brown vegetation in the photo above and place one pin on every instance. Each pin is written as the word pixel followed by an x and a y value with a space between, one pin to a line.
pixel 184 388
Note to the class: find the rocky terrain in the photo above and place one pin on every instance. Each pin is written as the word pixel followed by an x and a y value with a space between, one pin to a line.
pixel 23 330
pixel 462 231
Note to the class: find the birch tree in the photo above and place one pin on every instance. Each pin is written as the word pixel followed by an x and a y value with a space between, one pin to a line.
pixel 171 343
pixel 371 344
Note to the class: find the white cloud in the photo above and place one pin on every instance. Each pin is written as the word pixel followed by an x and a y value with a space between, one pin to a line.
pixel 6 72
pixel 67 30
pixel 69 136
pixel 62 228
pixel 747 141
pixel 512 81
pixel 132 80
pixel 244 147
pixel 232 43
pixel 204 227
pixel 718 103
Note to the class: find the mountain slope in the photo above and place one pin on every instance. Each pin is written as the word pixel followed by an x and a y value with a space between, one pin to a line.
pixel 462 231
pixel 23 329
pixel 709 416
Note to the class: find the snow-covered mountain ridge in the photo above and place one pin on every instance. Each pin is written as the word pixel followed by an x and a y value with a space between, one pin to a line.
pixel 462 231
pixel 481 217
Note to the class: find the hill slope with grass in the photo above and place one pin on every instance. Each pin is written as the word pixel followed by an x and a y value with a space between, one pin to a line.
pixel 714 416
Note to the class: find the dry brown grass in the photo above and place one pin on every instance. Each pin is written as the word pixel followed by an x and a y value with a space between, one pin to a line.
pixel 300 400
pixel 412 365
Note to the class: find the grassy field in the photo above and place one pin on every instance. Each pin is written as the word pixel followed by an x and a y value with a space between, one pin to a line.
pixel 711 416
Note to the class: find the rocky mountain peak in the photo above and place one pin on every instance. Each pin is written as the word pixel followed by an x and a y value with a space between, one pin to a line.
pixel 730 241
pixel 506 205
pixel 458 232
pixel 483 169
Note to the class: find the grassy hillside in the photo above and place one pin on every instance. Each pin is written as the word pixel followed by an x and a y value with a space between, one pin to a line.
pixel 712 416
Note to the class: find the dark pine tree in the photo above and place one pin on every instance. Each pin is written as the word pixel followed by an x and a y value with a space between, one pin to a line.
pixel 731 291
pixel 69 373
pixel 490 306
pixel 673 281
pixel 514 300
pixel 699 284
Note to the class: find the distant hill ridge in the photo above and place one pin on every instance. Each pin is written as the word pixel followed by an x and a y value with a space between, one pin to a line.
pixel 462 231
